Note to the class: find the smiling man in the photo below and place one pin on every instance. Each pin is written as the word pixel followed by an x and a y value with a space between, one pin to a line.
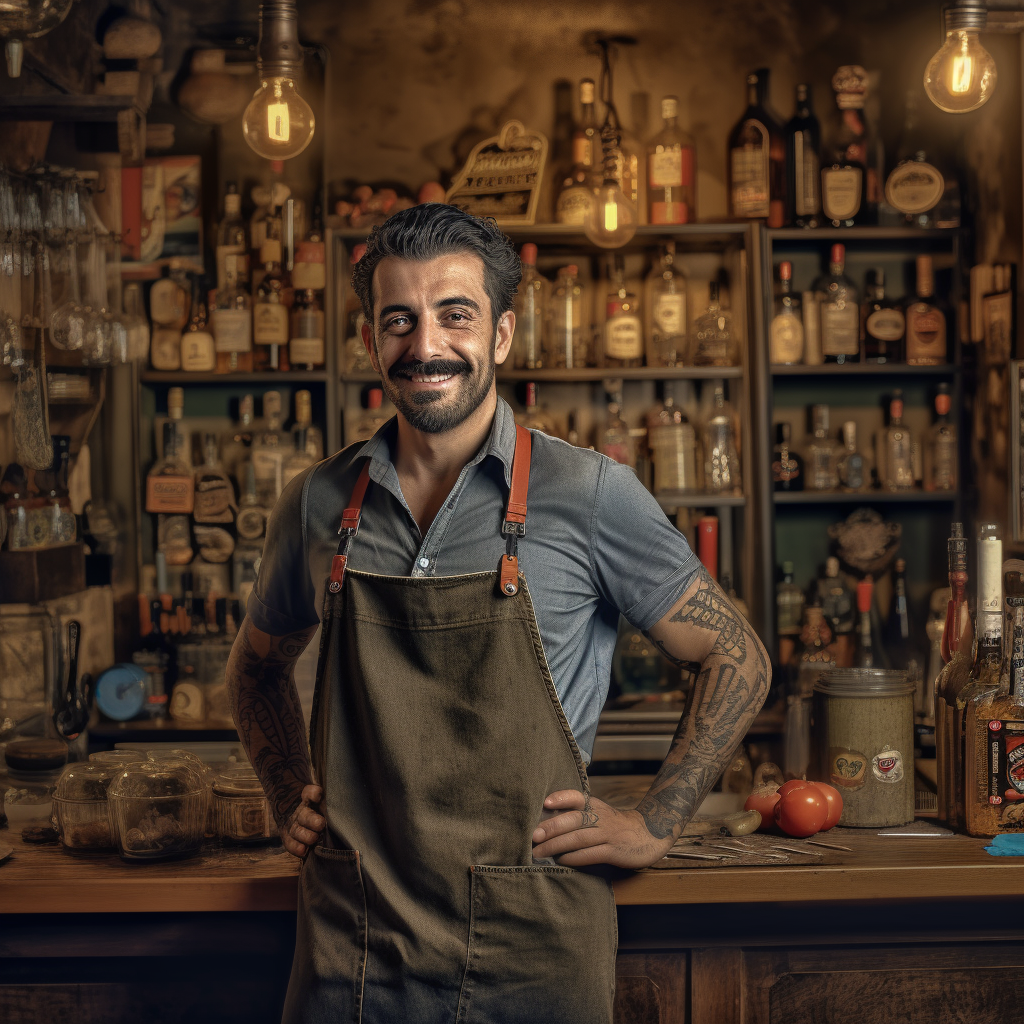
pixel 469 576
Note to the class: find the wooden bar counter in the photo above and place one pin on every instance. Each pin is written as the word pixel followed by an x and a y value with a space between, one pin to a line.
pixel 900 928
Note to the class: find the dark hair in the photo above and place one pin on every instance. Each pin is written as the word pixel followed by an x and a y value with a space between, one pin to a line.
pixel 436 229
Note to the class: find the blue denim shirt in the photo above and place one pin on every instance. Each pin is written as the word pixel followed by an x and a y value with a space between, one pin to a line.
pixel 597 544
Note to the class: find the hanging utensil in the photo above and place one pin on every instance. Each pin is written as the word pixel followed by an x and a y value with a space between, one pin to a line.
pixel 72 713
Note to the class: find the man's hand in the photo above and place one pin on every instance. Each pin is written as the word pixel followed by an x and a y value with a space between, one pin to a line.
pixel 589 831
pixel 304 826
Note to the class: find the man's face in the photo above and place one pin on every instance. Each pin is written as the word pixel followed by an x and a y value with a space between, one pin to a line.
pixel 433 341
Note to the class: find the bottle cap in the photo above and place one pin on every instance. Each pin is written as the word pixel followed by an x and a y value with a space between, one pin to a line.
pixel 785 271
pixel 787 568
pixel 832 566
pixel 901 565
pixel 531 395
pixel 528 254
pixel 175 402
pixel 270 251
pixel 896 408
pixel 570 271
pixel 587 90
pixel 850 433
pixel 374 397
pixel 309 252
pixel 838 254
pixel 277 166
pixel 864 591
pixel 943 403
pixel 669 107
pixel 303 406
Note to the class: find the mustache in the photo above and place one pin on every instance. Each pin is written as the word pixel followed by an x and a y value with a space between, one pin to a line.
pixel 434 368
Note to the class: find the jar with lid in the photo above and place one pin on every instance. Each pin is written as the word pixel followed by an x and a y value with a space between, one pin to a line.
pixel 117 758
pixel 178 755
pixel 33 768
pixel 241 811
pixel 80 805
pixel 158 810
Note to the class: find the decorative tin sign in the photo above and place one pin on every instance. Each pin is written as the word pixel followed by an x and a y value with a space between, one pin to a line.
pixel 502 177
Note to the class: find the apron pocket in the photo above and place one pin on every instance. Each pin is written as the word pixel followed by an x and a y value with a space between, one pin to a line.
pixel 541 947
pixel 330 944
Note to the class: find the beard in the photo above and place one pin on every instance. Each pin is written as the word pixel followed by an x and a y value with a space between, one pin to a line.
pixel 435 412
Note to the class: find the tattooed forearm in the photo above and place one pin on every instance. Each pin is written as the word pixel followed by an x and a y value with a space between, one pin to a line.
pixel 267 713
pixel 727 694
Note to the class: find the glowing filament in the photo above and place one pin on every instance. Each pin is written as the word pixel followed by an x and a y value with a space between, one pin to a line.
pixel 963 69
pixel 611 216
pixel 278 127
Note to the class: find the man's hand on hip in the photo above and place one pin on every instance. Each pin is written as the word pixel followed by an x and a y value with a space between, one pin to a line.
pixel 304 826
pixel 589 831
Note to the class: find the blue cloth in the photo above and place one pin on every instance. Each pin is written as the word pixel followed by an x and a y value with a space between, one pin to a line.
pixel 1007 844
pixel 596 544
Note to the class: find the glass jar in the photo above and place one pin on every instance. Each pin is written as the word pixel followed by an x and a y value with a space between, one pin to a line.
pixel 117 758
pixel 28 802
pixel 80 805
pixel 158 810
pixel 241 811
pixel 178 755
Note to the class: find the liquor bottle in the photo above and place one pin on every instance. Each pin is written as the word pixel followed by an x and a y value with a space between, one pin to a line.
pixel 568 346
pixel 822 454
pixel 673 444
pixel 198 353
pixel 713 341
pixel 803 146
pixel 309 272
pixel 169 304
pixel 787 465
pixel 623 328
pixel 786 336
pixel 941 454
pixel 176 413
pixel 839 606
pixel 231 234
pixel 214 493
pixel 61 525
pixel 268 451
pixel 232 321
pixel 306 347
pixel 577 194
pixel 926 322
pixel 721 458
pixel 757 159
pixel 840 316
pixel 815 657
pixel 882 323
pixel 789 604
pixel 866 656
pixel 671 171
pixel 531 303
pixel 135 321
pixel 268 198
pixel 895 458
pixel 298 460
pixel 236 443
pixel 850 464
pixel 169 484
pixel 988 658
pixel 270 311
pixel 914 187
pixel 845 165
pixel 252 516
pixel 900 646
pixel 666 311
pixel 373 418
pixel 304 421
pixel 615 440
pixel 534 418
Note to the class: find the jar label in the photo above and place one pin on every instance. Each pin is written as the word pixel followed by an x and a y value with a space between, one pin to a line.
pixel 887 766
pixel 848 768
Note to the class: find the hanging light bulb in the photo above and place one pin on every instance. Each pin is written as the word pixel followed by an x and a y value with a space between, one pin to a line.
pixel 962 75
pixel 611 220
pixel 278 123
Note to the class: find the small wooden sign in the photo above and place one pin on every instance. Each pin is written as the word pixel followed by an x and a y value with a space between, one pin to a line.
pixel 502 177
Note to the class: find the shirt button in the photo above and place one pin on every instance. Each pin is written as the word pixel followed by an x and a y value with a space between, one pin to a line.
pixel 417 572
pixel 424 563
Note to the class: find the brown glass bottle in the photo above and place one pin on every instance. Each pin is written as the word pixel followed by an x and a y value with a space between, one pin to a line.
pixel 757 159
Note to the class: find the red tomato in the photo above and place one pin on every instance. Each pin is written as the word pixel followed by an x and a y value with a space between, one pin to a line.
pixel 763 800
pixel 793 785
pixel 801 812
pixel 835 804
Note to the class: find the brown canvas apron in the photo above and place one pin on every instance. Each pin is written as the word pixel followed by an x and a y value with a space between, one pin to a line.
pixel 436 734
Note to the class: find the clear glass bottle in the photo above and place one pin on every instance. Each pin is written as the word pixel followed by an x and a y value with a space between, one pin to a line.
pixel 304 421
pixel 136 322
pixel 232 238
pixel 895 460
pixel 787 464
pixel 623 328
pixel 568 344
pixel 673 444
pixel 530 306
pixel 789 603
pixel 268 452
pixel 839 312
pixel 232 321
pixel 577 194
pixel 850 464
pixel 941 453
pixel 270 311
pixel 671 171
pixel 721 456
pixel 837 599
pixel 534 418
pixel 815 658
pixel 373 419
pixel 170 486
pixel 786 335
pixel 757 159
pixel 214 492
pixel 844 169
pixel 298 459
pixel 714 343
pixel 61 525
pixel 926 321
pixel 883 324
pixel 169 303
pixel 822 453
pixel 198 354
pixel 237 442
pixel 615 440
pixel 866 656
pixel 16 508
pixel 176 413
pixel 666 311
pixel 306 347
pixel 803 147
pixel 900 646
pixel 252 516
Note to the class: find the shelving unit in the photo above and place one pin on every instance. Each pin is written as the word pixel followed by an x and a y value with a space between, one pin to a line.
pixel 863 497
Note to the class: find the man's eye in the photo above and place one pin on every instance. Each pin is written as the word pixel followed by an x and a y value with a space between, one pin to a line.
pixel 398 321
pixel 456 315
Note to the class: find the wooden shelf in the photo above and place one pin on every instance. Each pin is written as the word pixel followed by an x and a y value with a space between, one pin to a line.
pixel 863 370
pixel 671 500
pixel 863 497
pixel 861 234
pixel 591 373
pixel 269 378
pixel 61 107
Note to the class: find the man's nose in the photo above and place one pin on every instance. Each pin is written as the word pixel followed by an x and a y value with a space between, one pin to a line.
pixel 426 341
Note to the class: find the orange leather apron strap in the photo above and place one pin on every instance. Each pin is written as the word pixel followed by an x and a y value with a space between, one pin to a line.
pixel 514 524
pixel 347 530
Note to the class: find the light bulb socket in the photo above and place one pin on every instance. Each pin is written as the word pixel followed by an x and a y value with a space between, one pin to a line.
pixel 278 53
pixel 967 14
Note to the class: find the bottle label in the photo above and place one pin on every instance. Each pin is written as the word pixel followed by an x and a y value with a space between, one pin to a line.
pixel 990 580
pixel 623 337
pixel 847 768
pixel 926 334
pixel 665 169
pixel 582 151
pixel 840 330
pixel 270 323
pixel 806 202
pixel 266 465
pixel 573 205
pixel 165 349
pixel 669 213
pixel 914 187
pixel 250 523
pixel 787 338
pixel 168 303
pixel 307 351
pixel 750 174
pixel 170 494
pixel 223 251
pixel 841 192
pixel 886 324
pixel 1005 761
pixel 197 352
pixel 232 330
pixel 785 469
pixel 669 314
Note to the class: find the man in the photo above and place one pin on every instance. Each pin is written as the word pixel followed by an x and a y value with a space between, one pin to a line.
pixel 469 605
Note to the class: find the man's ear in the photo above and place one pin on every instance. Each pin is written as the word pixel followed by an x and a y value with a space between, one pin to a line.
pixel 367 333
pixel 503 336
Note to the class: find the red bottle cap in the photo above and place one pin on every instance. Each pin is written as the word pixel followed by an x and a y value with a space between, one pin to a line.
pixel 373 398
pixel 531 395
pixel 277 166
pixel 864 591
pixel 707 544
pixel 529 254
pixel 896 408
pixel 838 253
pixel 943 403
pixel 785 271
